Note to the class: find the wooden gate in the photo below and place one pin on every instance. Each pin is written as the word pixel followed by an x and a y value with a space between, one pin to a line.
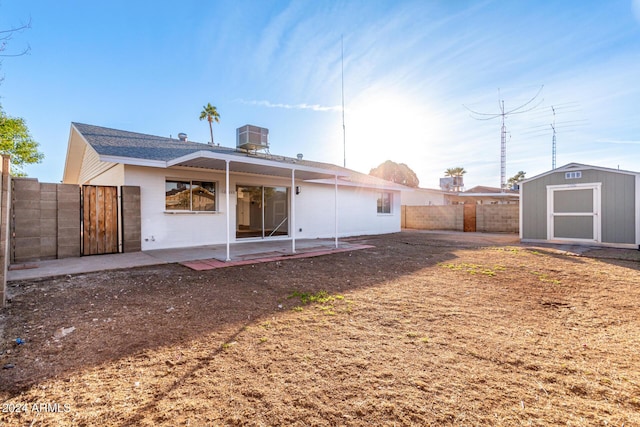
pixel 469 217
pixel 99 220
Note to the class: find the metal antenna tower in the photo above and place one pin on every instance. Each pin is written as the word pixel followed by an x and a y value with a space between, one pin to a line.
pixel 344 131
pixel 503 130
pixel 553 140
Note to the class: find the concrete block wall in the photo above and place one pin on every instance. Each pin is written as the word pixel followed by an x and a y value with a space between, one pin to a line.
pixel 45 220
pixel 68 220
pixel 25 219
pixel 489 218
pixel 498 218
pixel 446 217
pixel 5 204
pixel 131 219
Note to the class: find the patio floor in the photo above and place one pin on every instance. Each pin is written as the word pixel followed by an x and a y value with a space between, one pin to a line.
pixel 197 258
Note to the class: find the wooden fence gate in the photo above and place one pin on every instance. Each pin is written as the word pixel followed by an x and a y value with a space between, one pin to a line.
pixel 469 223
pixel 99 220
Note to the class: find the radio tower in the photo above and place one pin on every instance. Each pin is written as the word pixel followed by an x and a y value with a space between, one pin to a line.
pixel 503 130
pixel 553 140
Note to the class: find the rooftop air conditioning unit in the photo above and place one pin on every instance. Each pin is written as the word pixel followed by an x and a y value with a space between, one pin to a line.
pixel 252 138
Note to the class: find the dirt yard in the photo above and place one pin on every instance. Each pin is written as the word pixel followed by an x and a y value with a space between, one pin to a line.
pixel 422 329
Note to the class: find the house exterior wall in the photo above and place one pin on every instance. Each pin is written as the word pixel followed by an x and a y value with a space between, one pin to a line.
pixel 314 209
pixel 618 204
pixel 113 176
pixel 357 212
pixel 92 166
pixel 423 197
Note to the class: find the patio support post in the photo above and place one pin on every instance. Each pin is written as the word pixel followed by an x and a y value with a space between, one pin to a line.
pixel 293 211
pixel 228 209
pixel 637 211
pixel 336 205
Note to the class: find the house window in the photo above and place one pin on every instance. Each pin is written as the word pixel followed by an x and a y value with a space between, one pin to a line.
pixel 573 175
pixel 384 203
pixel 190 195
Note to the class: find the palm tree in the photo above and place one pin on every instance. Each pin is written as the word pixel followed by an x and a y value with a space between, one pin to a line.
pixel 210 113
pixel 456 173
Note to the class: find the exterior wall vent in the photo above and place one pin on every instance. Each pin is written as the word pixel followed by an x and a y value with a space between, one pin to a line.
pixel 252 138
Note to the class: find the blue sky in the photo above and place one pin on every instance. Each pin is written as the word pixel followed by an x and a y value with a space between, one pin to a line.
pixel 412 71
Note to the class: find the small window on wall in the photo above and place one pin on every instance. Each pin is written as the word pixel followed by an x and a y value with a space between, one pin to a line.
pixel 384 203
pixel 190 195
pixel 573 175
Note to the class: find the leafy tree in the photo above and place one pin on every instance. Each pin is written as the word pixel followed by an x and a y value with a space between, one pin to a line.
pixel 515 179
pixel 16 141
pixel 210 113
pixel 398 173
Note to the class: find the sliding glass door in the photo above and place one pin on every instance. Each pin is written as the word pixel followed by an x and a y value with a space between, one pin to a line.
pixel 262 212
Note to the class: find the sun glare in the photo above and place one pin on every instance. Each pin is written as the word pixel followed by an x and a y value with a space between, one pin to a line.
pixel 388 126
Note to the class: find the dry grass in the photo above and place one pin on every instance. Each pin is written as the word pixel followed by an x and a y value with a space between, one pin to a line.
pixel 423 329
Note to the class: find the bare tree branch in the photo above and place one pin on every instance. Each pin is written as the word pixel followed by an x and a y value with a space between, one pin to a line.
pixel 6 35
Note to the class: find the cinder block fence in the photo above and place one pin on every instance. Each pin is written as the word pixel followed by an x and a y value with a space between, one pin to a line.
pixel 489 218
pixel 45 220
pixel 40 221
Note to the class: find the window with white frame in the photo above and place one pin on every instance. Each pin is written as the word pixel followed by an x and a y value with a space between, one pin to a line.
pixel 187 195
pixel 384 203
pixel 572 175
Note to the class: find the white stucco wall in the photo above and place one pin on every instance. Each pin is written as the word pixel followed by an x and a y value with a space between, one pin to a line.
pixel 423 197
pixel 314 209
pixel 357 212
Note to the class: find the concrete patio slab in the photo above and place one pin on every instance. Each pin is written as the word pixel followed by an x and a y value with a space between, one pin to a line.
pixel 208 257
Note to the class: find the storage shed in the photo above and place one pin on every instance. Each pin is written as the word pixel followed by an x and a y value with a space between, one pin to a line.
pixel 581 204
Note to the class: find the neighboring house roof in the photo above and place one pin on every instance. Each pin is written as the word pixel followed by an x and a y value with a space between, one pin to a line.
pixel 480 189
pixel 115 146
pixel 484 194
pixel 579 166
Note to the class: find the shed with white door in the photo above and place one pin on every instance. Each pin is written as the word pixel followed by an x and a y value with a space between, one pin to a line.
pixel 581 204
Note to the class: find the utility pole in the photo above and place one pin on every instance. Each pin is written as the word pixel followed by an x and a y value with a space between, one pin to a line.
pixel 503 130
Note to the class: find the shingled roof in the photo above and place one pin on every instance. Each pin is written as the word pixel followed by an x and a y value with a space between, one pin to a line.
pixel 120 143
pixel 119 146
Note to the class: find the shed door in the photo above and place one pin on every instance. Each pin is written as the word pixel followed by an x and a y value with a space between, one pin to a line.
pixel 574 212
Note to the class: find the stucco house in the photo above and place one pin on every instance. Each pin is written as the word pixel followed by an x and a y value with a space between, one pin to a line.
pixel 581 204
pixel 423 197
pixel 194 194
pixel 483 195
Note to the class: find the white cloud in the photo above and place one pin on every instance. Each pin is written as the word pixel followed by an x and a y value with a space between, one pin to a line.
pixel 618 141
pixel 313 107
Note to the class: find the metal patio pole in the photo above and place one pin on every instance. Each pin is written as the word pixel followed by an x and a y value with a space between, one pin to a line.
pixel 293 211
pixel 228 210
